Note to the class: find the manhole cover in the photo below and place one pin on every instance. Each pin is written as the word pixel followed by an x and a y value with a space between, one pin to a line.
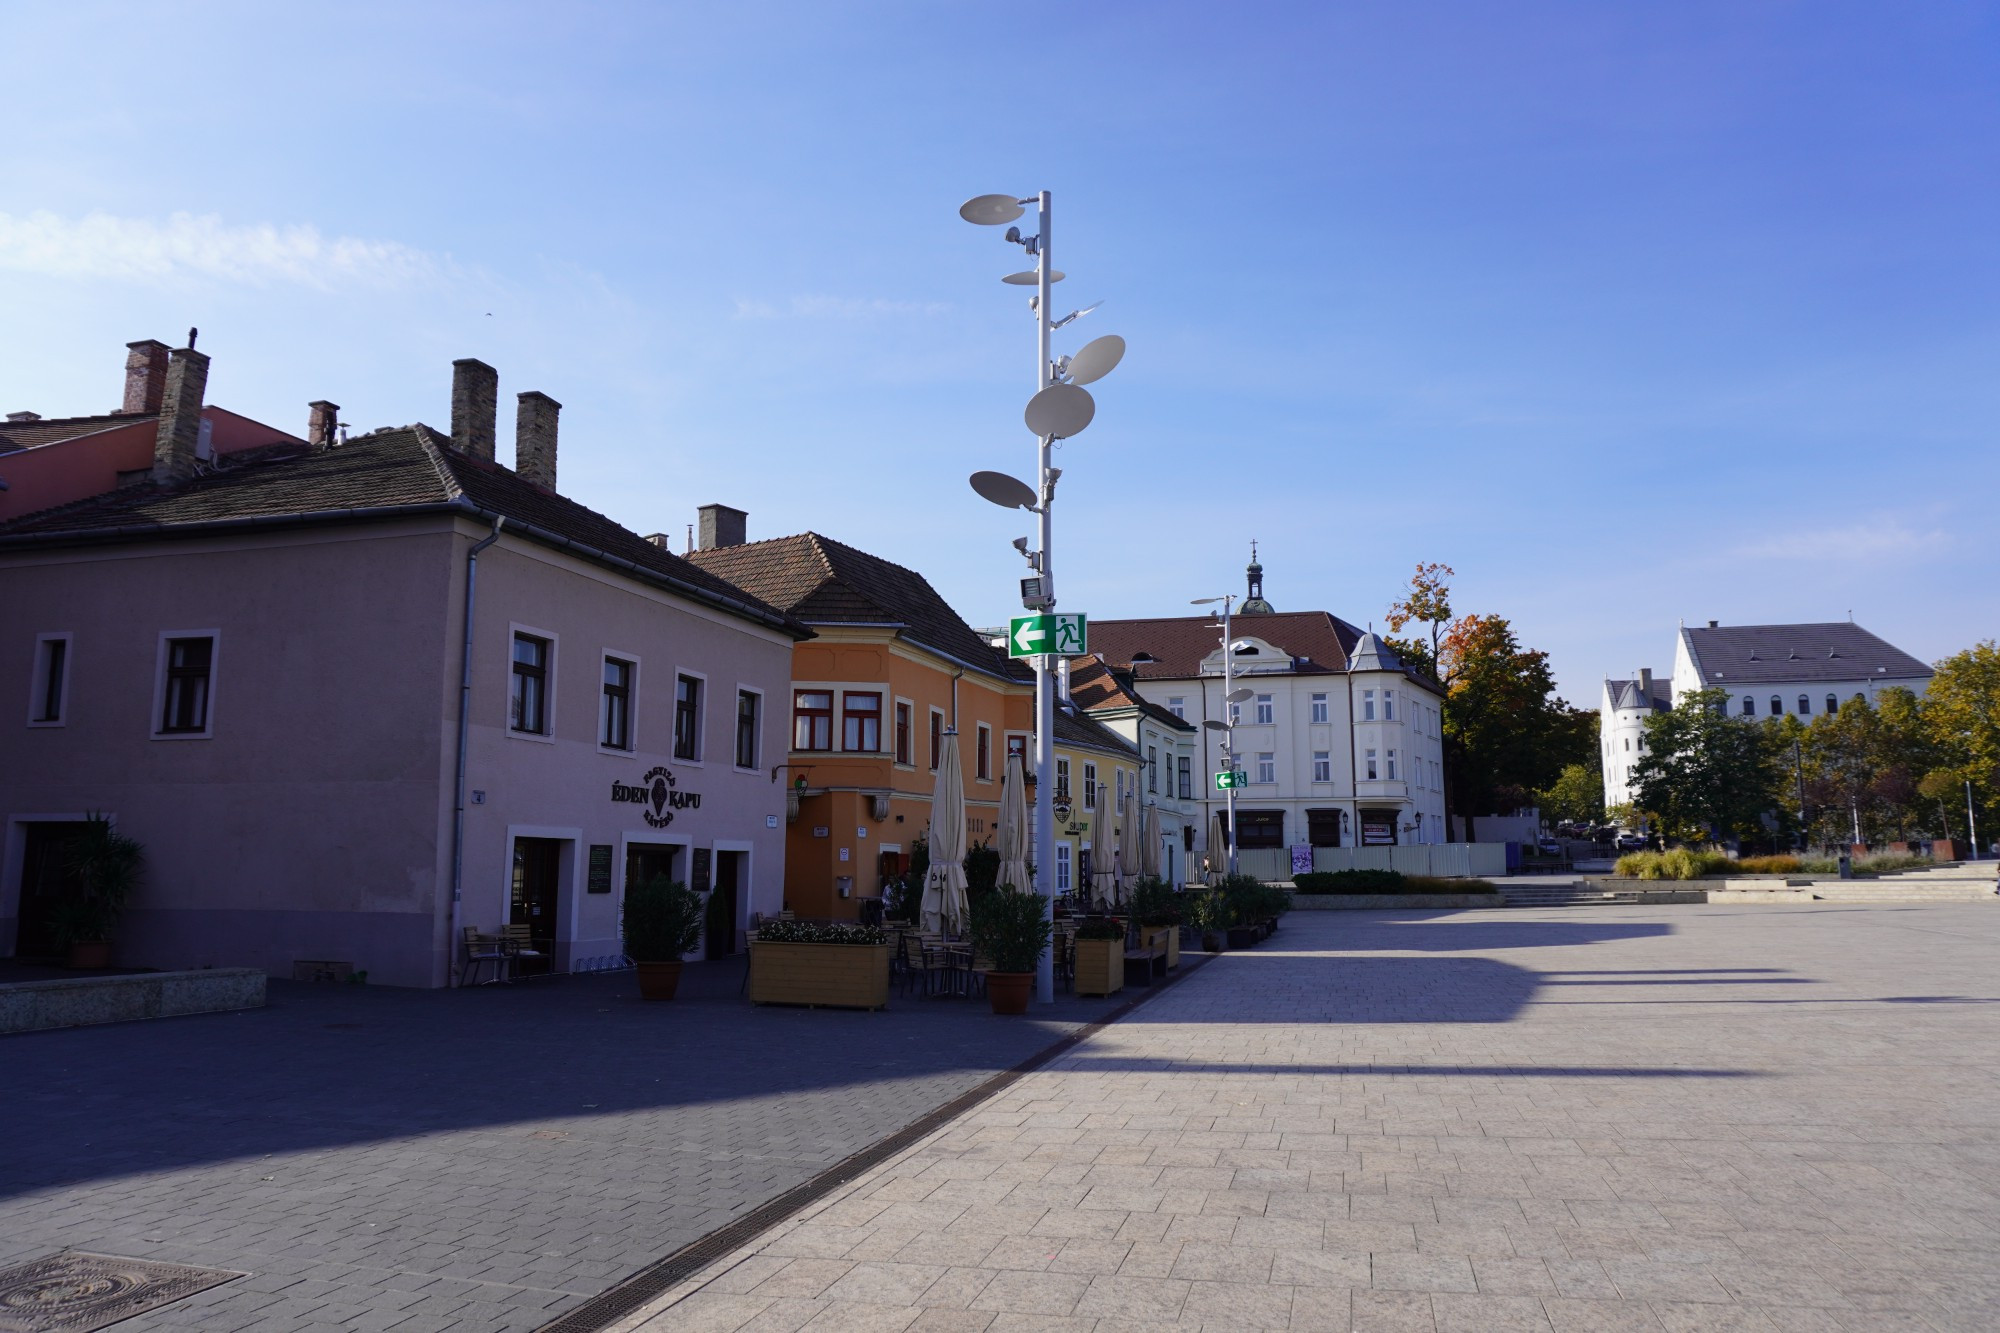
pixel 77 1292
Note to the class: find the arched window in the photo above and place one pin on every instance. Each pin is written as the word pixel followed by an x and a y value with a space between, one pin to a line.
pixel 1749 706
pixel 1805 705
pixel 1777 705
pixel 1833 703
pixel 1859 697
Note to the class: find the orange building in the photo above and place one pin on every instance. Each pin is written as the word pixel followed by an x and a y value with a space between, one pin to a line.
pixel 892 669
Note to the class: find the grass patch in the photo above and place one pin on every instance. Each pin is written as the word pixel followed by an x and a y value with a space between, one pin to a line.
pixel 1885 864
pixel 1769 865
pixel 1674 863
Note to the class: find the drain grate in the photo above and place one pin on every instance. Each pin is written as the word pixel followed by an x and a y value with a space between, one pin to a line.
pixel 607 1308
pixel 77 1292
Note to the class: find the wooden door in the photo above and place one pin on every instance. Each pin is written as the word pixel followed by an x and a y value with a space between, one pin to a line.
pixel 537 890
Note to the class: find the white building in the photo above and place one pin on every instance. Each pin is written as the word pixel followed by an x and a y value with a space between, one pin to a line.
pixel 1341 745
pixel 1766 670
pixel 1169 781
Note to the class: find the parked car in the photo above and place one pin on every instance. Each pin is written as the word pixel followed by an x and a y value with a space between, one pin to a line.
pixel 1549 847
pixel 1631 842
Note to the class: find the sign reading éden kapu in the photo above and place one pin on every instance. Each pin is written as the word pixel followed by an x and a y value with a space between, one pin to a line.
pixel 660 795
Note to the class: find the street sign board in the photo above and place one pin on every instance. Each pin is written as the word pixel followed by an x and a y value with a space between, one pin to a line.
pixel 1225 781
pixel 1031 636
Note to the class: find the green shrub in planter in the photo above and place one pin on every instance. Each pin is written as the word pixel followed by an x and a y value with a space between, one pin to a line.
pixel 1155 902
pixel 662 920
pixel 1009 929
pixel 820 932
pixel 107 866
pixel 1100 928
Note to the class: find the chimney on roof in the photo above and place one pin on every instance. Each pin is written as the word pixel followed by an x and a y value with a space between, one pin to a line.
pixel 145 375
pixel 535 438
pixel 325 420
pixel 24 416
pixel 1646 683
pixel 722 526
pixel 1712 624
pixel 180 417
pixel 475 403
pixel 661 540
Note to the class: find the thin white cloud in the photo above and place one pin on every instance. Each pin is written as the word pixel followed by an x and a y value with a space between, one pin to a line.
pixel 1882 540
pixel 99 245
pixel 835 307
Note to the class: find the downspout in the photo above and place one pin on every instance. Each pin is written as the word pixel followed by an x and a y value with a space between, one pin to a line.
pixel 1353 765
pixel 464 734
pixel 954 697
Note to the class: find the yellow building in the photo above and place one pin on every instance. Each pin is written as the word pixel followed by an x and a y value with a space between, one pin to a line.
pixel 1095 768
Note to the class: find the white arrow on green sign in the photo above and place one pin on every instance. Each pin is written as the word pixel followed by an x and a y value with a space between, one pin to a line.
pixel 1226 780
pixel 1050 632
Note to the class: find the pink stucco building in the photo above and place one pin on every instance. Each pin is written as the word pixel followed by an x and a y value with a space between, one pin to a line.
pixel 257 671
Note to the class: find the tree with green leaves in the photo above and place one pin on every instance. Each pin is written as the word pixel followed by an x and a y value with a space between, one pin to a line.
pixel 1961 718
pixel 1705 775
pixel 1576 796
pixel 1500 712
pixel 1426 603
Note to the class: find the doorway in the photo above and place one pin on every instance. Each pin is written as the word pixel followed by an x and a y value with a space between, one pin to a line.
pixel 537 893
pixel 46 881
pixel 722 904
pixel 644 860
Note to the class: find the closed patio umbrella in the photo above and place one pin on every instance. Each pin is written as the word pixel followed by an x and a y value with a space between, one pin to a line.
pixel 1129 868
pixel 1014 824
pixel 944 883
pixel 1149 841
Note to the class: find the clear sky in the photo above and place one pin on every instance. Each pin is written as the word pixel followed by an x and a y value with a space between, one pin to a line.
pixel 1631 313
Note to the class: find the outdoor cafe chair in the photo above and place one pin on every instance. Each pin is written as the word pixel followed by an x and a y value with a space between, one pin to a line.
pixel 479 949
pixel 518 943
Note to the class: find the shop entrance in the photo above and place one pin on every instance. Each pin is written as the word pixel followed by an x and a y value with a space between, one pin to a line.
pixel 722 904
pixel 46 882
pixel 537 894
pixel 644 860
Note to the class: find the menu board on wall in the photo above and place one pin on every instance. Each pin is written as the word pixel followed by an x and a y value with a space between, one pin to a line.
pixel 600 868
pixel 699 879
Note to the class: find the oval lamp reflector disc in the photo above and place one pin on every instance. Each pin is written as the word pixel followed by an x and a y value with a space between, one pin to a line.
pixel 990 210
pixel 1096 359
pixel 1030 278
pixel 1060 411
pixel 1239 696
pixel 1003 490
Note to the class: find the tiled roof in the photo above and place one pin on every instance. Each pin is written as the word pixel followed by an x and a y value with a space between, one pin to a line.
pixel 1728 655
pixel 1628 694
pixel 410 469
pixel 1094 685
pixel 1318 642
pixel 825 582
pixel 27 434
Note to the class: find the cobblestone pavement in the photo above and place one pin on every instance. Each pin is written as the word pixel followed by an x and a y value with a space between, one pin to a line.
pixel 1671 1119
pixel 467 1160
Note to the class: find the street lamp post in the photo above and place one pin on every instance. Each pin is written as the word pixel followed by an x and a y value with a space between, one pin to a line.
pixel 1226 726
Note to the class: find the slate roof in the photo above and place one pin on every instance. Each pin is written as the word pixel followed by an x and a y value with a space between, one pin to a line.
pixel 1730 655
pixel 27 434
pixel 825 582
pixel 1627 694
pixel 1093 685
pixel 407 470
pixel 1319 643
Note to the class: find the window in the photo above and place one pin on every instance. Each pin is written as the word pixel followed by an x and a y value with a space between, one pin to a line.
pixel 748 705
pixel 1090 786
pixel 1777 705
pixel 1388 705
pixel 1319 713
pixel 983 745
pixel 51 681
pixel 902 733
pixel 1235 714
pixel 1628 744
pixel 1391 757
pixel 528 710
pixel 1118 781
pixel 1265 712
pixel 1017 744
pixel 1267 767
pixel 861 722
pixel 1322 766
pixel 687 718
pixel 812 720
pixel 1749 706
pixel 1832 703
pixel 1367 705
pixel 937 738
pixel 1063 877
pixel 1371 766
pixel 1062 779
pixel 614 705
pixel 1177 705
pixel 1153 769
pixel 1805 705
pixel 1187 777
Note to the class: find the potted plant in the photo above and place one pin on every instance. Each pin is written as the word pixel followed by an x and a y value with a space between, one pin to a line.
pixel 1243 900
pixel 1158 910
pixel 661 922
pixel 1100 955
pixel 1011 930
pixel 106 866
pixel 839 964
pixel 1209 913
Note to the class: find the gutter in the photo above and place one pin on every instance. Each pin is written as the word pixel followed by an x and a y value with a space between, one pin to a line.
pixel 464 733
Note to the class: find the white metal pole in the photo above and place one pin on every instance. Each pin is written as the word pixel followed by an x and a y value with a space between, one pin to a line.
pixel 1229 751
pixel 1971 824
pixel 1045 694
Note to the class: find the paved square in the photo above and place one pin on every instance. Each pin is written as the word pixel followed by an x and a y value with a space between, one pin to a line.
pixel 1776 1120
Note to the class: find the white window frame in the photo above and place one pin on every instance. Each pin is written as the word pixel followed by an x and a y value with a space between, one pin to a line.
pixel 982 729
pixel 1391 760
pixel 915 739
pixel 1089 786
pixel 1267 710
pixel 38 679
pixel 1235 714
pixel 1367 705
pixel 1062 779
pixel 1267 766
pixel 1321 712
pixel 763 721
pixel 1065 875
pixel 1322 765
pixel 1177 705
pixel 547 736
pixel 207 731
pixel 943 725
pixel 1369 759
pixel 631 705
pixel 700 720
pixel 1388 705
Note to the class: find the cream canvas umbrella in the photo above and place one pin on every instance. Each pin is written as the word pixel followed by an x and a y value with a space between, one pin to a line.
pixel 1149 841
pixel 1014 825
pixel 1129 868
pixel 944 882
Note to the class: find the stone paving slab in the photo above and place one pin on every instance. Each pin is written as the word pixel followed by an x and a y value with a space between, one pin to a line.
pixel 466 1160
pixel 1674 1119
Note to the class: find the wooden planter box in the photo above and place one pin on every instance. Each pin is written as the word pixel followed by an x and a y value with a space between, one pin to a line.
pixel 1100 966
pixel 1244 937
pixel 1162 939
pixel 838 976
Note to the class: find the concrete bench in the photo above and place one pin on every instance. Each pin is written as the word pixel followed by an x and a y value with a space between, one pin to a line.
pixel 31 1006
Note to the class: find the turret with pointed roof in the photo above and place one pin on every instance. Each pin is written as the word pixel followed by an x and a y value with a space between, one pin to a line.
pixel 1254 604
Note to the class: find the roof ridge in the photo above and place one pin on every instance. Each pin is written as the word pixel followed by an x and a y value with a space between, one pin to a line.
pixel 435 453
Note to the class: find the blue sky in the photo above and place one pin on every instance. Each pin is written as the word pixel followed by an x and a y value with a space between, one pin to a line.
pixel 1630 313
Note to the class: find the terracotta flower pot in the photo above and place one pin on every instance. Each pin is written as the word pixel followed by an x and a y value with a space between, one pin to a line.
pixel 89 954
pixel 658 981
pixel 1008 991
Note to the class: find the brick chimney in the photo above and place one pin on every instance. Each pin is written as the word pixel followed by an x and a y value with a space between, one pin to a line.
pixel 721 526
pixel 1646 683
pixel 323 424
pixel 145 375
pixel 475 404
pixel 180 417
pixel 535 438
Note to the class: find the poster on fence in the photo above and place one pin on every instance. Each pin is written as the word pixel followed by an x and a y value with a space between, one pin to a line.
pixel 1302 858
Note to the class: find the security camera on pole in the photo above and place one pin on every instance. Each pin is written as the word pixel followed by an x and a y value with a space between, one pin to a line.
pixel 1231 777
pixel 1060 408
